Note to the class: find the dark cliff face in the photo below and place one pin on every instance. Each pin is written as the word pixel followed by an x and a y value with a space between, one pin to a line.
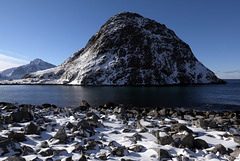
pixel 132 50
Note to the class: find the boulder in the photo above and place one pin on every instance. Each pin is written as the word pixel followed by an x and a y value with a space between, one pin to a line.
pixel 220 148
pixel 120 151
pixel 136 148
pixel 85 126
pixel 162 154
pixel 17 136
pixel 61 134
pixel 153 113
pixel 46 152
pixel 27 150
pixel 200 144
pixel 163 138
pixel 23 115
pixel 180 127
pixel 236 152
pixel 84 104
pixel 9 145
pixel 32 129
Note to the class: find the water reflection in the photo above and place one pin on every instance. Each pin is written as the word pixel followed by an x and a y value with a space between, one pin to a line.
pixel 137 96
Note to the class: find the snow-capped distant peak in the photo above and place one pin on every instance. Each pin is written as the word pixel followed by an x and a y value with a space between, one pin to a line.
pixel 33 66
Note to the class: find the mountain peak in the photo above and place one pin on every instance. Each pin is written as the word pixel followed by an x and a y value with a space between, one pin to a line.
pixel 130 49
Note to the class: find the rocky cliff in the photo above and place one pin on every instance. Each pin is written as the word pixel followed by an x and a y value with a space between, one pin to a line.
pixel 130 50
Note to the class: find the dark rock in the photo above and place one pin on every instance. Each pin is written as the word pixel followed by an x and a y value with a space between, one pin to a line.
pixel 180 127
pixel 27 150
pixel 15 158
pixel 2 127
pixel 114 144
pixel 83 158
pixel 59 152
pixel 78 148
pixel 220 148
pixel 7 145
pixel 61 134
pixel 44 144
pixel 32 129
pixel 92 145
pixel 84 104
pixel 69 125
pixel 84 126
pixel 23 115
pixel 165 140
pixel 136 148
pixel 205 123
pixel 17 136
pixel 102 156
pixel 162 154
pixel 184 140
pixel 46 152
pixel 120 151
pixel 200 144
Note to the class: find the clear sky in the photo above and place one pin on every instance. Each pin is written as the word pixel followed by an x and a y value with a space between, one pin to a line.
pixel 54 29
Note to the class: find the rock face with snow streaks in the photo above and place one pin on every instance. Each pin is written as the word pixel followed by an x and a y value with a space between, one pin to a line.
pixel 130 50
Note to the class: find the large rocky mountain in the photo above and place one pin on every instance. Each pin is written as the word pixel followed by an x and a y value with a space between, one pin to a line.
pixel 19 72
pixel 130 50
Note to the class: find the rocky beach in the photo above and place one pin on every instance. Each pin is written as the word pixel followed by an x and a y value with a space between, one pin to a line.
pixel 116 132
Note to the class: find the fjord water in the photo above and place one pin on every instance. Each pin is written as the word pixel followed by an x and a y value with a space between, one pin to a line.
pixel 210 96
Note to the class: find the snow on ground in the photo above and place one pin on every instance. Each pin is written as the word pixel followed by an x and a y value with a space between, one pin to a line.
pixel 108 133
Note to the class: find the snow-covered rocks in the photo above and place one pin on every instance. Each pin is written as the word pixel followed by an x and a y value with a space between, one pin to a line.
pixel 98 133
pixel 129 50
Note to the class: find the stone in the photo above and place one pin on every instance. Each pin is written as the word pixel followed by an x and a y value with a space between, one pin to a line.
pixel 83 158
pixel 61 134
pixel 9 145
pixel 236 152
pixel 44 144
pixel 136 148
pixel 46 152
pixel 236 139
pixel 102 156
pixel 162 154
pixel 163 138
pixel 180 127
pixel 22 115
pixel 69 125
pixel 85 126
pixel 200 144
pixel 17 136
pixel 153 113
pixel 32 129
pixel 220 148
pixel 84 104
pixel 120 151
pixel 27 150
pixel 15 158
pixel 185 140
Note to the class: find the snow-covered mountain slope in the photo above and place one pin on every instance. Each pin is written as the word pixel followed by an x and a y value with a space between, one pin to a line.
pixel 19 72
pixel 130 50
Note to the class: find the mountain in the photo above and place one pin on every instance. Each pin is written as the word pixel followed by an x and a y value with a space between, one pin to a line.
pixel 130 49
pixel 19 72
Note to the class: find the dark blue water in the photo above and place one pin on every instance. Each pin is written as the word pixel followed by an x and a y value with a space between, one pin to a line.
pixel 189 96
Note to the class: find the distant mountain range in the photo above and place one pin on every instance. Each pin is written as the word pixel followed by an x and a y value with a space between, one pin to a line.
pixel 129 50
pixel 19 72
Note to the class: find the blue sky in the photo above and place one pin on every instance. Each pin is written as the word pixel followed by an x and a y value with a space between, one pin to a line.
pixel 54 29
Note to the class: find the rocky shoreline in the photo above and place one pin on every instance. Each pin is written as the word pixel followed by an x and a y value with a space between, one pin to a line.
pixel 116 132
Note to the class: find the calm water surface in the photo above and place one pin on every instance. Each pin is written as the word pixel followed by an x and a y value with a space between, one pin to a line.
pixel 190 96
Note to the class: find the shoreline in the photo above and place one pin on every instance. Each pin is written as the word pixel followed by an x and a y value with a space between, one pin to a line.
pixel 116 132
